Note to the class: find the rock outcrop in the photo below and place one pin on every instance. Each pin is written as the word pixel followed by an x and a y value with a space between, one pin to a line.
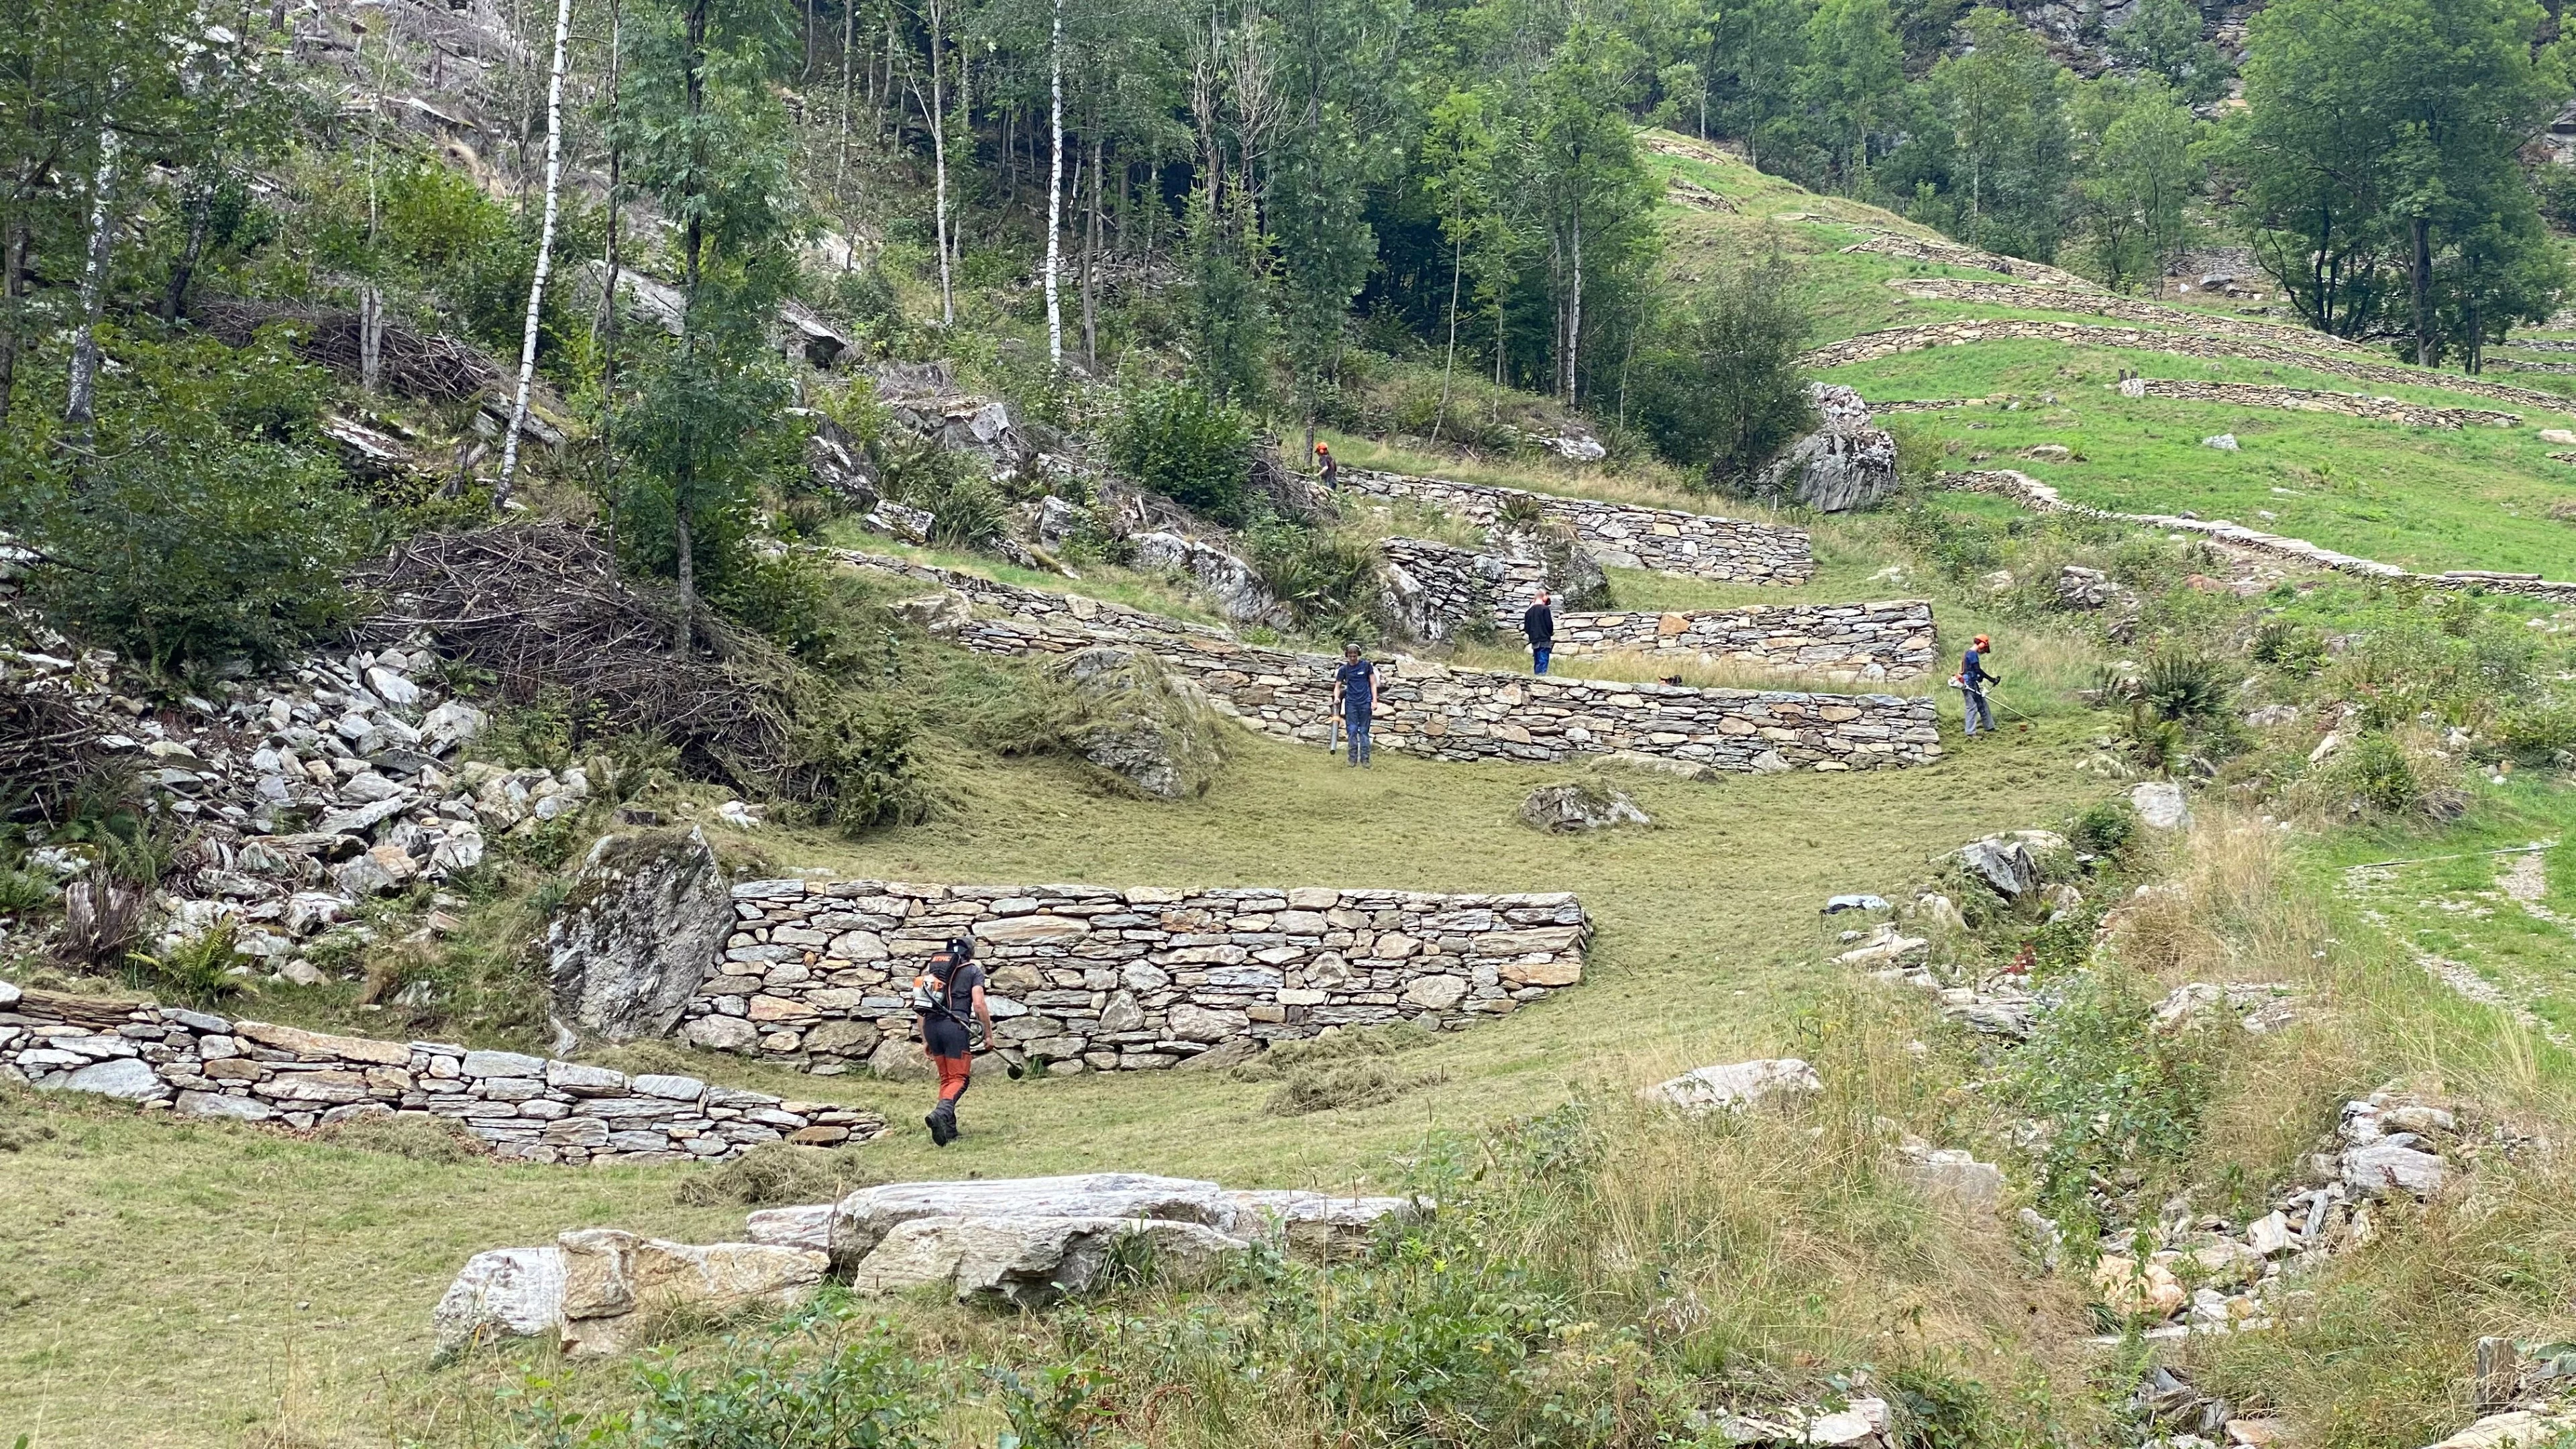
pixel 1736 1086
pixel 1621 535
pixel 1155 734
pixel 1577 807
pixel 632 941
pixel 601 1290
pixel 1232 584
pixel 1848 463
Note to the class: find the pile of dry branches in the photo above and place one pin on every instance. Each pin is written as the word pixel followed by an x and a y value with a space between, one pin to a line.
pixel 437 367
pixel 46 745
pixel 542 608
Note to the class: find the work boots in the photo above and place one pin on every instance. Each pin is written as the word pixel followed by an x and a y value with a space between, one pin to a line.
pixel 942 1122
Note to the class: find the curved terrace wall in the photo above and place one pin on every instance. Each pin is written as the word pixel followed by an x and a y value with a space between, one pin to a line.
pixel 1896 341
pixel 1622 535
pixel 197 1064
pixel 1134 979
pixel 1460 714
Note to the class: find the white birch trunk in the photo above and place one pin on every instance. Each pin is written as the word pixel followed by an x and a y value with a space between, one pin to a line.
pixel 545 255
pixel 1055 191
pixel 82 401
pixel 1574 325
pixel 938 119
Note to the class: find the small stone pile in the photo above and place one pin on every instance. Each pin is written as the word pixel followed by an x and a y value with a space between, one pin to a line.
pixel 197 1064
pixel 1013 1244
pixel 307 792
pixel 2209 1274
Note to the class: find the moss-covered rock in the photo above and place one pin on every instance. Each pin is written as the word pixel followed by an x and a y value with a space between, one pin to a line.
pixel 1152 733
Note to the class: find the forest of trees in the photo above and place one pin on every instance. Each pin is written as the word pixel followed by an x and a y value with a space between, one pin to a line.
pixel 1241 192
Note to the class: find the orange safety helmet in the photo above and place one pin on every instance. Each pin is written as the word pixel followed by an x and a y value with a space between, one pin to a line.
pixel 1983 641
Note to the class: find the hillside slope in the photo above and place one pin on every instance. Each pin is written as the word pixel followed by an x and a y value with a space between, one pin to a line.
pixel 2430 498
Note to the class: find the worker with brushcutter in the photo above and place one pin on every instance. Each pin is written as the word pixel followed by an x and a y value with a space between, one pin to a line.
pixel 1972 680
pixel 947 1000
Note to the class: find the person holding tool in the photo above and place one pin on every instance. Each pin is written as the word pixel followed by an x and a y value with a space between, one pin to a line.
pixel 1355 701
pixel 1972 681
pixel 948 992
pixel 1326 468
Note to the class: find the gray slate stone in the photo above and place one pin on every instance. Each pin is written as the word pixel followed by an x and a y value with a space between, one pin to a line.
pixel 633 941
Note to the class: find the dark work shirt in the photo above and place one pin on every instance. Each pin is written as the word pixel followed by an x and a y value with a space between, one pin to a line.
pixel 962 982
pixel 1539 624
pixel 1972 669
pixel 1355 679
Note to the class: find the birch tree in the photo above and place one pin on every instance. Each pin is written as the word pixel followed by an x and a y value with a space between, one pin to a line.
pixel 545 254
pixel 1055 188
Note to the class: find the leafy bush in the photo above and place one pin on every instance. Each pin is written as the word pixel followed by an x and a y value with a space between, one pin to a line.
pixel 870 1394
pixel 866 772
pixel 204 521
pixel 24 890
pixel 2103 829
pixel 2537 732
pixel 1179 441
pixel 966 510
pixel 200 969
pixel 2377 776
pixel 1722 391
pixel 2293 649
pixel 2122 1101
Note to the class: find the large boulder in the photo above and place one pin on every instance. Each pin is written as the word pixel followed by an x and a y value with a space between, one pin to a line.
pixel 1230 583
pixel 1579 806
pixel 923 399
pixel 633 941
pixel 504 1293
pixel 1153 732
pixel 865 1218
pixel 2013 865
pixel 1574 576
pixel 1736 1086
pixel 1033 1262
pixel 838 462
pixel 1848 463
pixel 616 1283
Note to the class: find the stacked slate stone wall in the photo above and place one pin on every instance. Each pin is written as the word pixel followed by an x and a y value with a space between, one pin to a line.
pixel 1444 591
pixel 1097 978
pixel 1464 714
pixel 1897 341
pixel 1621 535
pixel 2312 400
pixel 1843 642
pixel 2031 493
pixel 200 1065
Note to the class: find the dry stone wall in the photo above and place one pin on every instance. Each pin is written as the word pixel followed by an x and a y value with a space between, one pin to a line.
pixel 2312 400
pixel 1097 978
pixel 1842 642
pixel 1461 714
pixel 1941 251
pixel 2099 303
pixel 1464 589
pixel 1622 535
pixel 2031 493
pixel 1896 341
pixel 197 1064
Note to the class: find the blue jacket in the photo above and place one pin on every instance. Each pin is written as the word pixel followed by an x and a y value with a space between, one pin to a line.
pixel 1972 669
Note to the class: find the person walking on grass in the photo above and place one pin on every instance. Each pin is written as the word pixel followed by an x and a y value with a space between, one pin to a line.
pixel 1972 681
pixel 947 998
pixel 1326 468
pixel 1540 625
pixel 1355 696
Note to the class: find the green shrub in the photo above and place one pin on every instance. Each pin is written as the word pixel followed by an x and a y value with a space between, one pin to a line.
pixel 204 522
pixel 1180 442
pixel 861 766
pixel 1329 581
pixel 2122 1101
pixel 200 969
pixel 966 510
pixel 870 1394
pixel 1721 391
pixel 24 890
pixel 2104 829
pixel 2293 649
pixel 2537 732
pixel 2377 775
